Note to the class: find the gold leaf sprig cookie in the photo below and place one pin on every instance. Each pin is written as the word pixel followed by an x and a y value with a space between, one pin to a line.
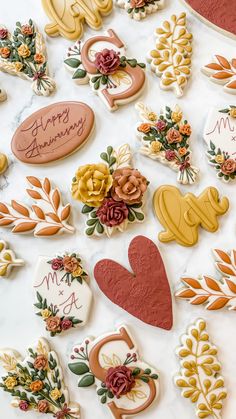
pixel 171 58
pixel 199 378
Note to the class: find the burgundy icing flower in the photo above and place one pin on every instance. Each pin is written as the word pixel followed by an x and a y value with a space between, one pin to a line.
pixel 228 167
pixel 173 136
pixel 53 324
pixel 43 406
pixel 170 155
pixel 40 362
pixel 57 264
pixel 3 33
pixel 161 125
pixel 62 413
pixel 119 380
pixel 107 61
pixel 112 213
pixel 66 324
pixel 23 405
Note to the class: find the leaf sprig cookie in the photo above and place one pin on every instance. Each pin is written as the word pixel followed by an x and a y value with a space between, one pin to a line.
pixel 166 138
pixel 139 9
pixel 222 71
pixel 125 384
pixel 199 378
pixel 7 259
pixel 113 192
pixel 36 383
pixel 45 218
pixel 214 294
pixel 23 54
pixel 171 58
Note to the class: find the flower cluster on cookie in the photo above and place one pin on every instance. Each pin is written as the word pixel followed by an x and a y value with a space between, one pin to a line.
pixel 112 192
pixel 142 6
pixel 36 385
pixel 224 164
pixel 122 379
pixel 166 138
pixel 23 54
pixel 71 265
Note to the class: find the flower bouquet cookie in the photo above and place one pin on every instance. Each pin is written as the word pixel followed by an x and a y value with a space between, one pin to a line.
pixel 165 138
pixel 23 54
pixel 113 192
pixel 139 9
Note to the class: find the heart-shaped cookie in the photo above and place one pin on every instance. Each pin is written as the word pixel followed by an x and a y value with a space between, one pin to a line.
pixel 145 293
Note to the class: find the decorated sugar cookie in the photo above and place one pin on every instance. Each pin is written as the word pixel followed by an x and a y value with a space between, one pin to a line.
pixel 214 294
pixel 7 259
pixel 68 17
pixel 36 382
pixel 23 54
pixel 166 138
pixel 3 163
pixel 53 132
pixel 200 378
pixel 63 297
pixel 112 191
pixel 182 215
pixel 125 384
pixel 47 217
pixel 171 58
pixel 144 287
pixel 3 94
pixel 220 137
pixel 223 72
pixel 101 62
pixel 139 9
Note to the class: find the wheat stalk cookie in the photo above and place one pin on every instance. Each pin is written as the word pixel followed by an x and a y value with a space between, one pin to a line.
pixel 101 62
pixel 124 383
pixel 23 54
pixel 171 58
pixel 223 72
pixel 140 9
pixel 36 382
pixel 200 378
pixel 8 260
pixel 165 138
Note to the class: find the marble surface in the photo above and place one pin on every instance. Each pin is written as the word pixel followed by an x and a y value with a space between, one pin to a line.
pixel 18 325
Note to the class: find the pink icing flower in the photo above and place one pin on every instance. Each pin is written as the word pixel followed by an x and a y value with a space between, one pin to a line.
pixel 228 167
pixel 136 4
pixel 3 33
pixel 66 324
pixel 107 61
pixel 23 405
pixel 173 136
pixel 57 264
pixel 119 380
pixel 112 213
pixel 170 155
pixel 161 125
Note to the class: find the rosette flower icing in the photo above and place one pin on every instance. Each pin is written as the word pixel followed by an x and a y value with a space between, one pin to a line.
pixel 128 186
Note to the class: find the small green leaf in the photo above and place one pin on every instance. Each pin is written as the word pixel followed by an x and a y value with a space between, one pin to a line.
pixel 79 74
pixel 154 376
pixel 147 371
pixel 212 145
pixel 72 62
pixel 139 216
pixel 136 371
pixel 101 391
pixel 144 379
pixel 142 65
pixel 78 368
pixel 133 62
pixel 104 157
pixel 109 150
pixel 97 85
pixel 104 399
pixel 86 381
pixel 100 228
pixel 86 209
pixel 91 222
pixel 131 217
pixel 90 231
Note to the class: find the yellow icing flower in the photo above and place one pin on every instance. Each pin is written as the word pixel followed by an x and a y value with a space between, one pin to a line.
pixel 3 163
pixel 152 116
pixel 46 313
pixel 155 147
pixel 176 115
pixel 219 158
pixel 24 51
pixel 91 184
pixel 18 66
pixel 10 383
pixel 233 112
pixel 55 394
pixel 77 272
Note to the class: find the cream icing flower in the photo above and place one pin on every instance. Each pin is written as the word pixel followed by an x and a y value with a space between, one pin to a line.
pixel 55 394
pixel 24 51
pixel 233 112
pixel 46 313
pixel 176 115
pixel 155 146
pixel 10 382
pixel 219 158
pixel 18 66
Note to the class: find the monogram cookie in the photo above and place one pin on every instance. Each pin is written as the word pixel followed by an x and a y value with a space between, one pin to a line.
pixel 223 72
pixel 53 132
pixel 7 259
pixel 63 297
pixel 125 384
pixel 36 382
pixel 101 62
pixel 182 215
pixel 23 54
pixel 139 9
pixel 220 137
pixel 67 18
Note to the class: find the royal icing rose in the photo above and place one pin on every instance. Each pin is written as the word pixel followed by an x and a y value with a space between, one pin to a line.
pixel 185 129
pixel 170 155
pixel 39 58
pixel 161 125
pixel 46 313
pixel 70 263
pixel 5 52
pixel 119 380
pixel 24 51
pixel 43 406
pixel 128 186
pixel 36 386
pixel 136 4
pixel 57 264
pixel 55 394
pixel 27 30
pixel 77 272
pixel 219 158
pixel 3 33
pixel 228 167
pixel 145 128
pixel 10 382
pixel 155 146
pixel 91 184
pixel 18 66
pixel 23 405
pixel 107 61
pixel 41 362
pixel 176 116
pixel 53 324
pixel 182 151
pixel 232 112
pixel 112 213
pixel 66 324
pixel 173 136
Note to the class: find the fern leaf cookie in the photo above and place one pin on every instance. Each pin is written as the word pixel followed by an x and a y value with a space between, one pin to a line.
pixel 222 71
pixel 139 9
pixel 36 382
pixel 200 378
pixel 171 58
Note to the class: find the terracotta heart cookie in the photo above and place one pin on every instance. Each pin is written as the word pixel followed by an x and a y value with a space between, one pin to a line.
pixel 218 14
pixel 53 132
pixel 145 293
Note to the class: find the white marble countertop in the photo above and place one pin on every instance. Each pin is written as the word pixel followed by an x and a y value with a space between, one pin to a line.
pixel 18 324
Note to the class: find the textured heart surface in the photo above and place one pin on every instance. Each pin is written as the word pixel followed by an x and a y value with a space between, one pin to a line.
pixel 145 293
pixel 220 14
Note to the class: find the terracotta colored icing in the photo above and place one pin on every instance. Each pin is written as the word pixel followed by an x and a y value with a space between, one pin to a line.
pixel 53 132
pixel 145 293
pixel 223 72
pixel 69 16
pixel 182 215
pixel 221 15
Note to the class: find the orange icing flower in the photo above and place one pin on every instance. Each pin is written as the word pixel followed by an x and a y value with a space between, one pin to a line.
pixel 36 386
pixel 39 58
pixel 24 51
pixel 182 151
pixel 185 129
pixel 5 52
pixel 145 128
pixel 27 30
